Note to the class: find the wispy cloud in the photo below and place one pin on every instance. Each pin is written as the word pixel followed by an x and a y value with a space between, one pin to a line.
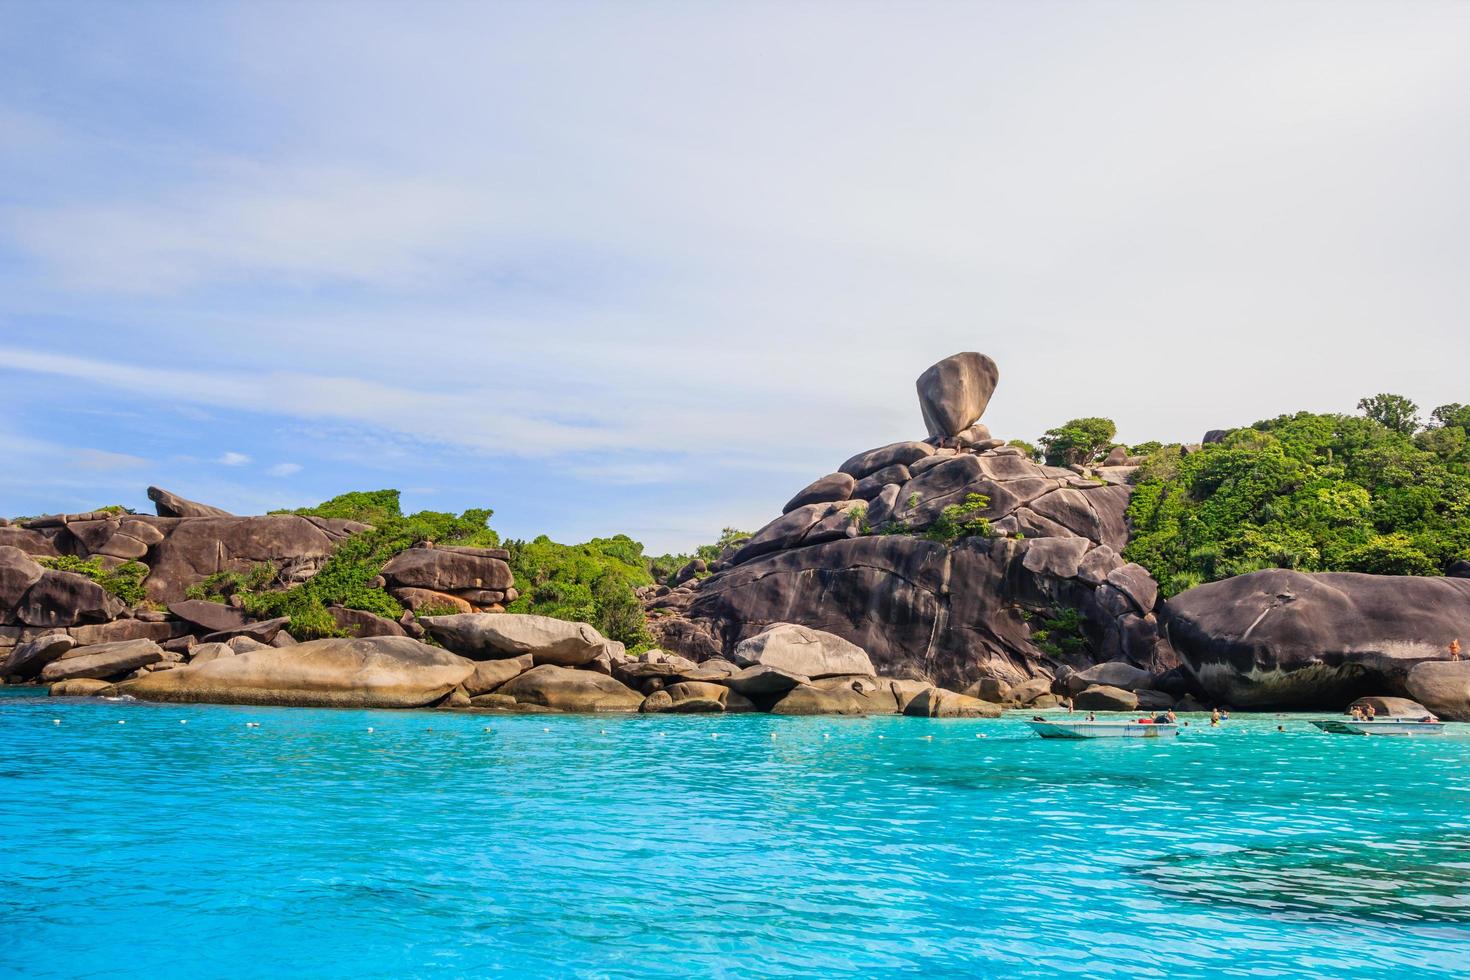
pixel 233 459
pixel 284 469
pixel 102 459
pixel 699 253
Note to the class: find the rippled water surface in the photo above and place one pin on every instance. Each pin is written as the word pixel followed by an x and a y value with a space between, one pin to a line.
pixel 726 846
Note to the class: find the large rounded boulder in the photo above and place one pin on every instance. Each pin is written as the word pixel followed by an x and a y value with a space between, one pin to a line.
pixel 1280 639
pixel 571 690
pixel 954 393
pixel 1443 687
pixel 803 651
pixel 495 636
pixel 372 672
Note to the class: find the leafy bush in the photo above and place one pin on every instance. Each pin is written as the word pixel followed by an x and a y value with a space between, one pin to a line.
pixel 590 583
pixel 961 520
pixel 125 581
pixel 222 585
pixel 1311 492
pixel 1061 633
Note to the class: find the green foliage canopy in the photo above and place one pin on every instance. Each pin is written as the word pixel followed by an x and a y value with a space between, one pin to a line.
pixel 1305 491
pixel 589 583
pixel 1078 442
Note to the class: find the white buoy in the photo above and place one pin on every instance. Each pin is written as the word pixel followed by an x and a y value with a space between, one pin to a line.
pixel 662 735
pixel 370 731
pixel 825 735
pixel 928 738
pixel 487 729
pixel 880 736
pixel 979 734
pixel 714 734
pixel 773 734
pixel 183 721
pixel 602 731
pixel 546 729
pixel 121 722
pixel 55 721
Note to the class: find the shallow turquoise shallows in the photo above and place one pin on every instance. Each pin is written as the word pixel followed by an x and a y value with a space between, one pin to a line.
pixel 737 846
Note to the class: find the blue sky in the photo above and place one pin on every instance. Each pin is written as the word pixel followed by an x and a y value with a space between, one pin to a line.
pixel 652 267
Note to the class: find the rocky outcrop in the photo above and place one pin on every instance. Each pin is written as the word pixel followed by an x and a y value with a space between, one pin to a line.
pixel 376 672
pixel 1281 639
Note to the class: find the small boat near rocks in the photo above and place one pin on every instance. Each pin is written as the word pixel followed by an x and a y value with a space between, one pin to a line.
pixel 1400 727
pixel 1103 728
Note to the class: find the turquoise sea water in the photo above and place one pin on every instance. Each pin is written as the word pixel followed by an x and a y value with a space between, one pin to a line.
pixel 675 846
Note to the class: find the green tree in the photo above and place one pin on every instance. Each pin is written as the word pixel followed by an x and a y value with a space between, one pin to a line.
pixel 1453 415
pixel 1305 491
pixel 1393 411
pixel 1078 442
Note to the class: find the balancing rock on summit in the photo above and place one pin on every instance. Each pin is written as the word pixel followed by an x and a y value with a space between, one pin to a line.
pixel 172 505
pixel 953 394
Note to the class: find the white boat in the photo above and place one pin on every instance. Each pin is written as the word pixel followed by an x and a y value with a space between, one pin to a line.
pixel 1401 727
pixel 1107 728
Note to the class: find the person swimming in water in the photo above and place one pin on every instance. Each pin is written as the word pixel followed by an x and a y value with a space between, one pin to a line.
pixel 1214 717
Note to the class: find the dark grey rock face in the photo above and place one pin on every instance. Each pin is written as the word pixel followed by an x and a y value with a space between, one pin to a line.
pixel 832 487
pixel 1279 639
pixel 893 454
pixel 954 393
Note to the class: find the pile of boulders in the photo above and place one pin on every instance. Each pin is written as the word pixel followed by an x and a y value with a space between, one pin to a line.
pixel 184 544
pixel 63 627
pixel 514 663
pixel 463 579
pixel 852 553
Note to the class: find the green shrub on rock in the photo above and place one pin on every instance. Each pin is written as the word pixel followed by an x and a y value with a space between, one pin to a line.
pixel 590 583
pixel 124 581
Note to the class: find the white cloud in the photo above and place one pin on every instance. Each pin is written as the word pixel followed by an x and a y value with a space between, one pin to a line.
pixel 284 469
pixel 233 459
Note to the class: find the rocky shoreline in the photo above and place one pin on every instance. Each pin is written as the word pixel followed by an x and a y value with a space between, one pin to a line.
pixel 951 576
